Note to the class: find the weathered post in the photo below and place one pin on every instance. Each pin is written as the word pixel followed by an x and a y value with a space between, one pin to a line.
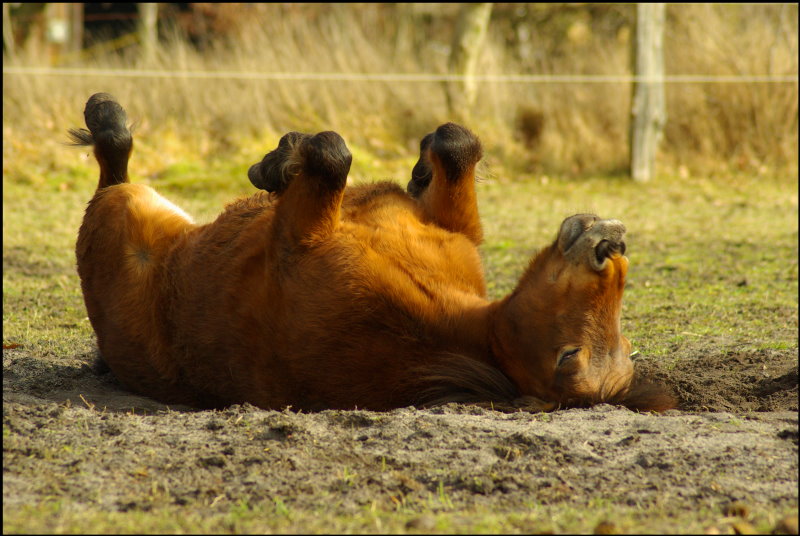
pixel 648 111
pixel 57 28
pixel 471 29
pixel 148 30
pixel 76 27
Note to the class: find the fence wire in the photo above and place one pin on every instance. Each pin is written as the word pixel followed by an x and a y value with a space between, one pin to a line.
pixel 402 77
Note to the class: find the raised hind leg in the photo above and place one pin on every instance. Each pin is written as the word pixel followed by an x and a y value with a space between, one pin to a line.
pixel 109 135
pixel 124 239
pixel 443 180
pixel 309 173
pixel 126 224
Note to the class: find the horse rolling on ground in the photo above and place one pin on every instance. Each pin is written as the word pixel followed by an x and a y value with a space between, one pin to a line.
pixel 315 295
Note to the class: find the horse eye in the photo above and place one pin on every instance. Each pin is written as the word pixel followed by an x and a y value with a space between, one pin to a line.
pixel 566 355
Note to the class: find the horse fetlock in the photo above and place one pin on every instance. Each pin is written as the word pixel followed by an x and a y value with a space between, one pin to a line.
pixel 324 156
pixel 109 135
pixel 106 121
pixel 327 158
pixel 457 149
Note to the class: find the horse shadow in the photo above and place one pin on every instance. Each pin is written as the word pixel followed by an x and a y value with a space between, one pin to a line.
pixel 82 382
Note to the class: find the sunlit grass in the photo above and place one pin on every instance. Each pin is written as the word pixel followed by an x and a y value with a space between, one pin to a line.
pixel 710 259
pixel 53 516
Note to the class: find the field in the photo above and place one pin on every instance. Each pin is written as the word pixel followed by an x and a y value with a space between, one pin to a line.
pixel 711 305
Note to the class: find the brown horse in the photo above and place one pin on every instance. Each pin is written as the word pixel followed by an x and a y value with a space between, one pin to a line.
pixel 316 295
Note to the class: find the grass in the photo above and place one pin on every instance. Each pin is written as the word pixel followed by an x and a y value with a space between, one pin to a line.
pixel 713 268
pixel 54 516
pixel 700 265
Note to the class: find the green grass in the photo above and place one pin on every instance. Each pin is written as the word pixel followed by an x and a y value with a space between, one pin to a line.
pixel 53 516
pixel 713 267
pixel 712 259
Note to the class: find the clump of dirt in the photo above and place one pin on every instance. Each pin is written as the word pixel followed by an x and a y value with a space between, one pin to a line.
pixel 764 380
pixel 70 427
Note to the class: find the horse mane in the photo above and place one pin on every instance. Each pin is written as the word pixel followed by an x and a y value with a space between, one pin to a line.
pixel 457 378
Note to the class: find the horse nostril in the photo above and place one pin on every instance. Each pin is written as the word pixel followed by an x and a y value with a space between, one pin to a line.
pixel 606 248
pixel 602 251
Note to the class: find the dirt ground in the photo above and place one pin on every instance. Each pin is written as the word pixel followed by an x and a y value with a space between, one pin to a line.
pixel 70 430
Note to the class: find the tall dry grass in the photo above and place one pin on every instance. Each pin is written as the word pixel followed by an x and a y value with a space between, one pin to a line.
pixel 580 128
pixel 748 125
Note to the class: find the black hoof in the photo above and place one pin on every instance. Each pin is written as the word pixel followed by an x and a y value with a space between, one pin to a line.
pixel 327 158
pixel 458 150
pixel 323 156
pixel 106 120
pixel 422 173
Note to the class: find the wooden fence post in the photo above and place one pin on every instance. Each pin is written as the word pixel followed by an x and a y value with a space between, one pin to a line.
pixel 76 28
pixel 57 30
pixel 648 110
pixel 148 30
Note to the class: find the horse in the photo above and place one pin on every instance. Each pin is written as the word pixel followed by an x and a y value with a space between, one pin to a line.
pixel 314 295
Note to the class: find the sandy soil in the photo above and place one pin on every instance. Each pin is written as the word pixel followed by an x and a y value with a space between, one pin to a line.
pixel 69 429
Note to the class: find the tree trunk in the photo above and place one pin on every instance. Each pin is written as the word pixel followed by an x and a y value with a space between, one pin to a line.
pixel 648 111
pixel 404 39
pixel 8 33
pixel 468 41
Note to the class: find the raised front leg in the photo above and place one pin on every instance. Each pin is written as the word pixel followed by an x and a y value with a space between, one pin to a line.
pixel 309 173
pixel 443 180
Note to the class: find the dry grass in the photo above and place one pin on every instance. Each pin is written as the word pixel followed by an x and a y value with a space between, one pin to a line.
pixel 583 128
pixel 748 125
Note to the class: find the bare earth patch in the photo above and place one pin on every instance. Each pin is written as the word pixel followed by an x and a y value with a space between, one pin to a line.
pixel 70 429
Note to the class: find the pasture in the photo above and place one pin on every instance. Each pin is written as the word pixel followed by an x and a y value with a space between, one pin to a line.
pixel 711 301
pixel 711 309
